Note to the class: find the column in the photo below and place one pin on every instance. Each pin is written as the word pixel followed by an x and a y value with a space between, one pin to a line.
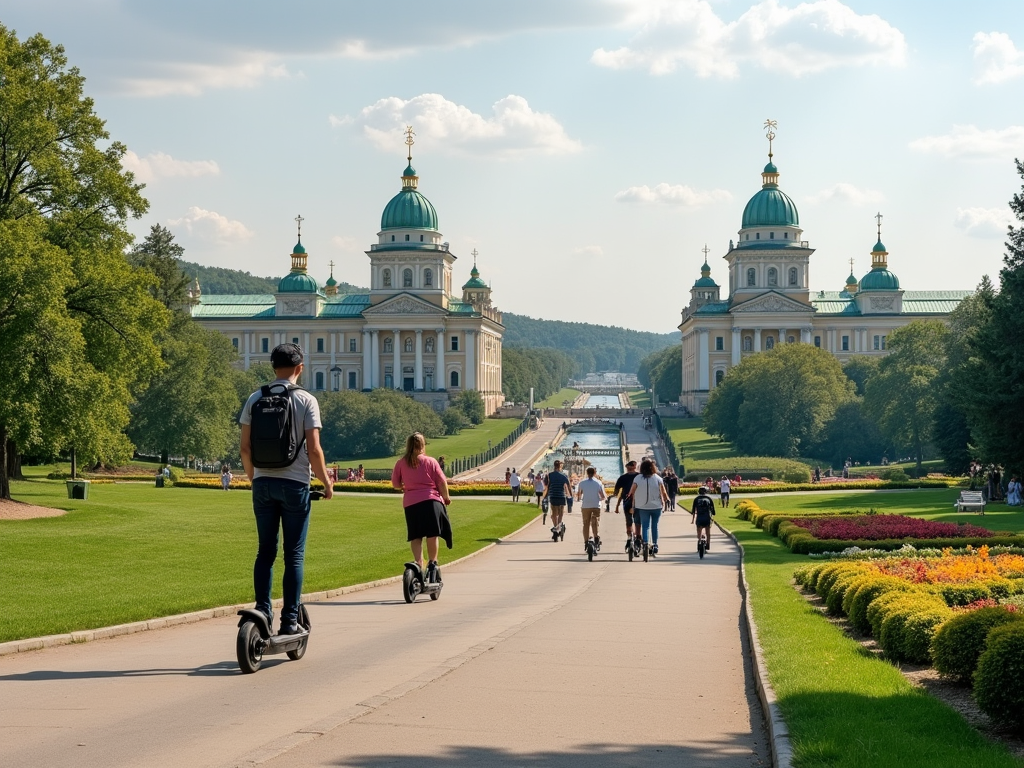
pixel 367 362
pixel 830 336
pixel 247 340
pixel 805 334
pixel 374 359
pixel 757 339
pixel 470 372
pixel 396 365
pixel 737 345
pixel 440 375
pixel 307 374
pixel 704 358
pixel 782 335
pixel 856 340
pixel 418 384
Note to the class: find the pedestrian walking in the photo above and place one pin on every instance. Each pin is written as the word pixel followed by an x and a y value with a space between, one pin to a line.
pixel 725 487
pixel 515 482
pixel 671 489
pixel 538 486
pixel 280 446
pixel 225 476
pixel 648 497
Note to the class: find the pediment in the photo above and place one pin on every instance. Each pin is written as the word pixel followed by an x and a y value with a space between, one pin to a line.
pixel 404 304
pixel 773 302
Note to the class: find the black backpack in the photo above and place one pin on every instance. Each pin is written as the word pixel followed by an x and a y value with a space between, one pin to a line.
pixel 272 428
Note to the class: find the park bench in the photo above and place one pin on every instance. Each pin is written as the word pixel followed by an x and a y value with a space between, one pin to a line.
pixel 971 501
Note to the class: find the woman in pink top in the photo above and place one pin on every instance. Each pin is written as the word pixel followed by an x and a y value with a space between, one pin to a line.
pixel 425 496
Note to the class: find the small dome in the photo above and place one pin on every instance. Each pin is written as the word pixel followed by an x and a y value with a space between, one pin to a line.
pixel 331 281
pixel 297 282
pixel 409 210
pixel 705 282
pixel 409 170
pixel 880 280
pixel 474 280
pixel 879 248
pixel 298 248
pixel 770 168
pixel 771 207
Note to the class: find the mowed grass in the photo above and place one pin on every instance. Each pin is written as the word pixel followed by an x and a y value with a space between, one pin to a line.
pixel 639 398
pixel 845 708
pixel 469 441
pixel 556 400
pixel 697 443
pixel 133 551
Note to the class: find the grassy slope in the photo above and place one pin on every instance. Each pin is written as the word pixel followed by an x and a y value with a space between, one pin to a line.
pixel 845 708
pixel 469 441
pixel 135 551
pixel 697 443
pixel 556 400
pixel 639 398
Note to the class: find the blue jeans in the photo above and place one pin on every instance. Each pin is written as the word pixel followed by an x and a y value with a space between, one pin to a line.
pixel 649 520
pixel 284 504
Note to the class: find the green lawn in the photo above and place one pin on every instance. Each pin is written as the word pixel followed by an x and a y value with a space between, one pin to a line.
pixel 469 441
pixel 639 398
pixel 556 400
pixel 843 707
pixel 135 552
pixel 697 443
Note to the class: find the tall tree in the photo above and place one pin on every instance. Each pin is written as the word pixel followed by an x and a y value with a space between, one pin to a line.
pixel 901 397
pixel 160 255
pixel 859 369
pixel 64 199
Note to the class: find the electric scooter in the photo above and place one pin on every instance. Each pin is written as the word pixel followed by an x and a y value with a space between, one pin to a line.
pixel 415 583
pixel 634 547
pixel 255 638
pixel 593 547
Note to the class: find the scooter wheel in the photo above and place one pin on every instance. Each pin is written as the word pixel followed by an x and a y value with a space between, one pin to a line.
pixel 435 595
pixel 590 554
pixel 249 648
pixel 629 552
pixel 299 652
pixel 410 585
pixel 645 553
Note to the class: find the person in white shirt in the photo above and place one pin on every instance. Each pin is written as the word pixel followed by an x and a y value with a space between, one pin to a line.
pixel 515 483
pixel 725 486
pixel 590 493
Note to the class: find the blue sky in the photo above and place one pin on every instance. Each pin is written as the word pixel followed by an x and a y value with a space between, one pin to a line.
pixel 588 150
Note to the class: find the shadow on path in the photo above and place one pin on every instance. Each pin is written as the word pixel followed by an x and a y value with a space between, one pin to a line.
pixel 220 669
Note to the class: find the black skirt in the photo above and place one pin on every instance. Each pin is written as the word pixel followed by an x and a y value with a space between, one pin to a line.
pixel 428 519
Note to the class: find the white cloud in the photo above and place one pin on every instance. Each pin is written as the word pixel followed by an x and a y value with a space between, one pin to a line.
pixel 514 129
pixel 343 243
pixel 996 58
pixel 971 141
pixel 588 250
pixel 811 37
pixel 174 79
pixel 672 194
pixel 983 222
pixel 159 165
pixel 847 193
pixel 211 227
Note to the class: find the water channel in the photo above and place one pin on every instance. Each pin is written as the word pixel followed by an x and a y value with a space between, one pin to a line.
pixel 602 401
pixel 608 467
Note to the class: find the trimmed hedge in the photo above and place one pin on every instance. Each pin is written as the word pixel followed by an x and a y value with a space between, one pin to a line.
pixel 959 643
pixel 907 623
pixel 998 680
pixel 867 589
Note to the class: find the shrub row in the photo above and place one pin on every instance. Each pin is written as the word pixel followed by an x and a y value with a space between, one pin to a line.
pixel 369 486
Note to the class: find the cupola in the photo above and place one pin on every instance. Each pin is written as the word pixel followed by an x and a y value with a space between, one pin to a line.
pixel 879 278
pixel 476 291
pixel 331 286
pixel 298 280
pixel 705 289
pixel 409 209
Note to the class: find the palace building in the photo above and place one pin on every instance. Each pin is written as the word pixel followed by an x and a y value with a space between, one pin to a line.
pixel 411 332
pixel 770 300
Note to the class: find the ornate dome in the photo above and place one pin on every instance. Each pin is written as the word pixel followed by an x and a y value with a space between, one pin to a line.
pixel 705 280
pixel 474 280
pixel 297 282
pixel 771 207
pixel 880 280
pixel 409 209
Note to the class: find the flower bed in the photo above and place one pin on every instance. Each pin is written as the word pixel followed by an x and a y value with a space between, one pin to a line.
pixel 878 527
pixel 938 610
pixel 835 484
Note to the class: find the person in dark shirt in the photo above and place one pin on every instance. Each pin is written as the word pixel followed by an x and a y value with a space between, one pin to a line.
pixel 671 488
pixel 701 513
pixel 557 489
pixel 621 494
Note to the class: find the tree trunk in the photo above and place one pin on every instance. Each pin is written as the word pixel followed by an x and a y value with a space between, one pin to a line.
pixel 5 485
pixel 917 443
pixel 164 458
pixel 13 462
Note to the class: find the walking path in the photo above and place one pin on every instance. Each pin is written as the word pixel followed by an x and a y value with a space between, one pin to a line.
pixel 521 455
pixel 531 656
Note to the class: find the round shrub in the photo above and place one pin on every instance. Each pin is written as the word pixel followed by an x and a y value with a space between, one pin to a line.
pixel 957 646
pixel 834 601
pixel 893 635
pixel 813 573
pixel 868 589
pixel 919 631
pixel 877 610
pixel 963 594
pixel 998 682
pixel 829 575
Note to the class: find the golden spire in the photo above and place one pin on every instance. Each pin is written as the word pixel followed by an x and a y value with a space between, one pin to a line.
pixel 879 256
pixel 769 131
pixel 409 178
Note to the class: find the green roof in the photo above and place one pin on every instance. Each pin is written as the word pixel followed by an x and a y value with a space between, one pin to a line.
pixel 409 209
pixel 298 248
pixel 297 282
pixel 878 247
pixel 705 282
pixel 770 207
pixel 880 279
pixel 914 302
pixel 713 308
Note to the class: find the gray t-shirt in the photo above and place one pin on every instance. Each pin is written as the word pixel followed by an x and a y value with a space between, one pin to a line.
pixel 307 413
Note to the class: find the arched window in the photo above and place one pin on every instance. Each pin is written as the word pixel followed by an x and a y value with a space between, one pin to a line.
pixel 794 278
pixel 719 375
pixel 769 343
pixel 751 277
pixel 773 276
pixel 388 346
pixel 407 278
pixel 429 345
pixel 319 379
pixel 454 378
pixel 408 345
pixel 428 277
pixel 748 344
pixel 387 278
pixel 392 238
pixel 421 238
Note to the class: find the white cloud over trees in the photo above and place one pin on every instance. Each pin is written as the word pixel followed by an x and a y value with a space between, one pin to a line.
pixel 211 227
pixel 969 141
pixel 983 222
pixel 160 165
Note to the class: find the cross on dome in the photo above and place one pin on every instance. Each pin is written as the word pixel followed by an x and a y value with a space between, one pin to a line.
pixel 878 218
pixel 409 141
pixel 298 221
pixel 769 131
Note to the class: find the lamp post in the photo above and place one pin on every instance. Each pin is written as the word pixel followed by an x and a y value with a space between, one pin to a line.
pixel 336 370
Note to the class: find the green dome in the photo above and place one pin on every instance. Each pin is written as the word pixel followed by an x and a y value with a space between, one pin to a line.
pixel 297 282
pixel 878 247
pixel 409 210
pixel 705 282
pixel 771 207
pixel 770 168
pixel 298 248
pixel 331 281
pixel 409 170
pixel 474 280
pixel 880 280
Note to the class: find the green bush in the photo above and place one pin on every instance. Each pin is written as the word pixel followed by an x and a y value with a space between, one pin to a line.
pixel 958 645
pixel 895 474
pixel 834 601
pixel 828 577
pixel 903 639
pixel 801 474
pixel 998 680
pixel 919 631
pixel 58 474
pixel 963 594
pixel 870 588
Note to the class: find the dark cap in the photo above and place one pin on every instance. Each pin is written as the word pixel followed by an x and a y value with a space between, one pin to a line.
pixel 286 356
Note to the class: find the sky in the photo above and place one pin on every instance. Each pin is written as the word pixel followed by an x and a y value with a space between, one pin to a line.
pixel 588 150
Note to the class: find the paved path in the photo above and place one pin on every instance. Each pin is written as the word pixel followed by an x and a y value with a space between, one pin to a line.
pixel 531 656
pixel 522 455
